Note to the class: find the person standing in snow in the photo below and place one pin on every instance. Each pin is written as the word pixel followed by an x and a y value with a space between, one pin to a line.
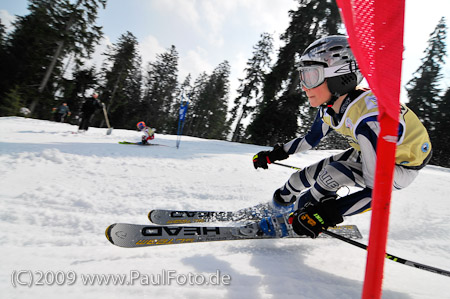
pixel 61 112
pixel 149 133
pixel 329 76
pixel 87 110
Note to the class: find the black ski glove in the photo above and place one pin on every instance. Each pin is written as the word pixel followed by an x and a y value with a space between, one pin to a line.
pixel 311 220
pixel 263 158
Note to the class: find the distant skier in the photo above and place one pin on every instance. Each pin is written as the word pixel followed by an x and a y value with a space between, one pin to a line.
pixel 88 109
pixel 61 112
pixel 329 76
pixel 149 133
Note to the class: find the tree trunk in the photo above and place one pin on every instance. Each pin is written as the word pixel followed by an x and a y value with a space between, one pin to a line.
pixel 54 59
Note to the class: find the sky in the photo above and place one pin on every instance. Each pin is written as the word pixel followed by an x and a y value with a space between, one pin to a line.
pixel 207 32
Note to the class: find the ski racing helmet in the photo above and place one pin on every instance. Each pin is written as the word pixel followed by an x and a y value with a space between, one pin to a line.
pixel 330 58
pixel 141 125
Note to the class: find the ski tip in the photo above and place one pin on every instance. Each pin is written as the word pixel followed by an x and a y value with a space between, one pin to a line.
pixel 150 215
pixel 108 233
pixel 155 217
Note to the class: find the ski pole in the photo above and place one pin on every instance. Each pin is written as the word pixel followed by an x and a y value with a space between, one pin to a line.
pixel 107 120
pixel 390 256
pixel 281 164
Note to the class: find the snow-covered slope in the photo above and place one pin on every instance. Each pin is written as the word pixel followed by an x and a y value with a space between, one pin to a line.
pixel 59 191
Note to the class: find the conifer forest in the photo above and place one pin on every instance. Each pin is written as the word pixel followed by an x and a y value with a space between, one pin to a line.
pixel 269 106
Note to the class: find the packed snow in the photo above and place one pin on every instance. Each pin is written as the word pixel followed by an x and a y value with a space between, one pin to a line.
pixel 60 190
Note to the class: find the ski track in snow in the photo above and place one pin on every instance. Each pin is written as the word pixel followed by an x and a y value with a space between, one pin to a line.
pixel 59 191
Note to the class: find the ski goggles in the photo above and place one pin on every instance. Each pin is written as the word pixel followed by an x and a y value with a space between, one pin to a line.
pixel 313 75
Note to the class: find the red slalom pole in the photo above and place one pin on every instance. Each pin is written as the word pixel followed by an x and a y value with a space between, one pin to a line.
pixel 375 32
pixel 381 201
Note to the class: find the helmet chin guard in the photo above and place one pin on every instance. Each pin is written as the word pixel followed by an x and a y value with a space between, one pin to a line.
pixel 342 84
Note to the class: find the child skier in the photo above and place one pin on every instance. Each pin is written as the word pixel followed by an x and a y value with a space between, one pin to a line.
pixel 149 133
pixel 329 75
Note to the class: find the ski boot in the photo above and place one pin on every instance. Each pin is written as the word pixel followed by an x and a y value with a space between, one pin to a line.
pixel 278 206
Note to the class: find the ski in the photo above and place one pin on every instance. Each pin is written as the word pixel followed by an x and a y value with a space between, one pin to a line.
pixel 161 216
pixel 135 235
pixel 138 143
